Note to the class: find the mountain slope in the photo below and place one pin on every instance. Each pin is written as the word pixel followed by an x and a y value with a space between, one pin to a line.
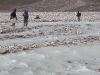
pixel 50 5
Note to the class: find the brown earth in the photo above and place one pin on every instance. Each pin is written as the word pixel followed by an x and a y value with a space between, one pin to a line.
pixel 50 5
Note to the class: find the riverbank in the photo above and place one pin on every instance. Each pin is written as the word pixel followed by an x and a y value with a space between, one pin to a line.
pixel 50 48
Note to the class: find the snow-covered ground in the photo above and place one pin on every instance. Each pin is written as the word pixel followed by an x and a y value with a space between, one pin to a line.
pixel 50 48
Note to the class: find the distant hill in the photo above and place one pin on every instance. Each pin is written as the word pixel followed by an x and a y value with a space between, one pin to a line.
pixel 50 5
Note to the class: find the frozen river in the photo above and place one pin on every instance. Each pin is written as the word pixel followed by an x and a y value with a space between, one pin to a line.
pixel 80 56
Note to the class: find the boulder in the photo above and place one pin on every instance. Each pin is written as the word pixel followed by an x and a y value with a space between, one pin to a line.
pixel 3 51
pixel 37 17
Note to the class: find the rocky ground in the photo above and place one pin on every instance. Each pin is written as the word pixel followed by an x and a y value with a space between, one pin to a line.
pixel 58 45
pixel 53 17
pixel 46 35
pixel 76 43
pixel 39 30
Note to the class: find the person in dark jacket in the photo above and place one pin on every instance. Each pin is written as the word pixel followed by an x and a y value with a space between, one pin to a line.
pixel 13 17
pixel 26 16
pixel 78 16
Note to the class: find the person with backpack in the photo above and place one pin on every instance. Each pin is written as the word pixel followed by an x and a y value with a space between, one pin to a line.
pixel 13 17
pixel 26 16
pixel 78 16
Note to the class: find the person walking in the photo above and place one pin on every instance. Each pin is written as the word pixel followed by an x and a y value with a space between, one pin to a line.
pixel 13 17
pixel 78 16
pixel 26 16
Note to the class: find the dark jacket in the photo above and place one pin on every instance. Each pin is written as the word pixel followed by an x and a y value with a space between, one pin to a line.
pixel 13 14
pixel 78 14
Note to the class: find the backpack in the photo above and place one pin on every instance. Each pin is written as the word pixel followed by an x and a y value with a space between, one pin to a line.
pixel 26 14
